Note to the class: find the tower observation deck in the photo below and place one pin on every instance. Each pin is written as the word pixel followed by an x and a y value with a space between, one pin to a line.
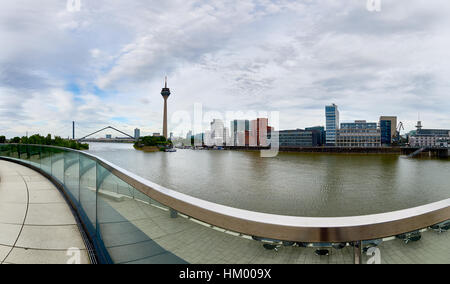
pixel 165 93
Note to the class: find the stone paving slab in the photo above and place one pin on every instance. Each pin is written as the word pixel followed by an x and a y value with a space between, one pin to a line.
pixel 49 214
pixel 46 196
pixel 9 234
pixel 36 224
pixel 4 250
pixel 12 213
pixel 31 256
pixel 50 237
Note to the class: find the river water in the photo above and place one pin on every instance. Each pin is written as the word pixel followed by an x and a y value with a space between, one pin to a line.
pixel 314 185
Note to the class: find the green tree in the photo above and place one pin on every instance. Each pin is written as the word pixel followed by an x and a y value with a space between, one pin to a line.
pixel 58 141
pixel 153 141
pixel 48 139
pixel 2 139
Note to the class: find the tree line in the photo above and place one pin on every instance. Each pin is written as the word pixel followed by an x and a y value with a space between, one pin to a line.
pixel 153 141
pixel 46 140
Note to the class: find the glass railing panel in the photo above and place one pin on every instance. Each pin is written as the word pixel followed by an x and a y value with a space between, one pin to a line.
pixel 113 186
pixel 23 153
pixel 14 151
pixel 58 164
pixel 46 159
pixel 72 174
pixel 118 214
pixel 88 195
pixel 35 155
pixel 5 150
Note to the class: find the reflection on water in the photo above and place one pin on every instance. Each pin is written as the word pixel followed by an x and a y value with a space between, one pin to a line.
pixel 319 185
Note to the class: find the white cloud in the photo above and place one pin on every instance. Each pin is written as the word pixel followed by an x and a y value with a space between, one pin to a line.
pixel 283 55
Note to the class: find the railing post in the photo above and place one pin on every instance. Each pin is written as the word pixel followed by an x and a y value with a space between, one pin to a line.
pixel 357 252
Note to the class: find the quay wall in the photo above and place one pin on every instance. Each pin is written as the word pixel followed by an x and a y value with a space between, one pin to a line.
pixel 435 152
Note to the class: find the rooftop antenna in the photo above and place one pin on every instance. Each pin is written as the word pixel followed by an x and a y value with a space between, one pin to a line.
pixel 419 123
pixel 165 82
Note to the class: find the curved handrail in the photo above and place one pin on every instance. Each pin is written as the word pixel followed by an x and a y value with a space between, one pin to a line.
pixel 280 227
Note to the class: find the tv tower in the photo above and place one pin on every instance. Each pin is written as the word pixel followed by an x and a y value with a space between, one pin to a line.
pixel 165 93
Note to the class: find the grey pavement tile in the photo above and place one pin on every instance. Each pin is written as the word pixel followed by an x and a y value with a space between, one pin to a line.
pixel 31 256
pixel 49 214
pixel 9 233
pixel 50 237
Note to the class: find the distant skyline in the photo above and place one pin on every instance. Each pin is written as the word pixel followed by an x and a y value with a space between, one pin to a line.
pixel 105 64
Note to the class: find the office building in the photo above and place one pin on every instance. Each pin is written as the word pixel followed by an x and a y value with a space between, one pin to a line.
pixel 226 136
pixel 332 124
pixel 199 139
pixel 189 135
pixel 188 140
pixel 321 134
pixel 388 128
pixel 258 132
pixel 137 133
pixel 429 137
pixel 443 142
pixel 359 134
pixel 298 138
pixel 217 133
pixel 240 132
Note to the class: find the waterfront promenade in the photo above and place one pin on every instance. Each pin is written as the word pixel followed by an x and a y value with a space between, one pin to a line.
pixel 36 224
pixel 200 243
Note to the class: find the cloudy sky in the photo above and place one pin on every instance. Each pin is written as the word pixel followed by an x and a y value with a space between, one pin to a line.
pixel 105 64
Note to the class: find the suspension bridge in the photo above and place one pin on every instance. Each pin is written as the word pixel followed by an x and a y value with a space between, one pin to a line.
pixel 93 136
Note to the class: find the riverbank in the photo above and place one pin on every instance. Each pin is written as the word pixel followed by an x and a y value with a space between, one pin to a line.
pixel 148 149
pixel 436 152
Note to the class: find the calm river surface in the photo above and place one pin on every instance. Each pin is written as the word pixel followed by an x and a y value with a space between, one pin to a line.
pixel 316 185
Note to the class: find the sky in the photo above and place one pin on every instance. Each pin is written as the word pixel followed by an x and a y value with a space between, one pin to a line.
pixel 104 63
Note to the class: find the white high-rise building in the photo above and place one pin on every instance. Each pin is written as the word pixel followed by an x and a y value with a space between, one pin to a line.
pixel 332 124
pixel 137 133
pixel 217 133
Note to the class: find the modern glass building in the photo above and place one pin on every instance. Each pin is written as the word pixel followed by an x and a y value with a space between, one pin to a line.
pixel 137 133
pixel 388 128
pixel 332 124
pixel 217 132
pixel 320 132
pixel 298 138
pixel 239 131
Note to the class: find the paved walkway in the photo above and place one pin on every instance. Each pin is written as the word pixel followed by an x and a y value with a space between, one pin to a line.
pixel 36 224
pixel 198 243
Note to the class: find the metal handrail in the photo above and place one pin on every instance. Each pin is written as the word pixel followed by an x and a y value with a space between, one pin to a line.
pixel 279 227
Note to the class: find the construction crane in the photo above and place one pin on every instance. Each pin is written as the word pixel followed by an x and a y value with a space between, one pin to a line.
pixel 400 127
